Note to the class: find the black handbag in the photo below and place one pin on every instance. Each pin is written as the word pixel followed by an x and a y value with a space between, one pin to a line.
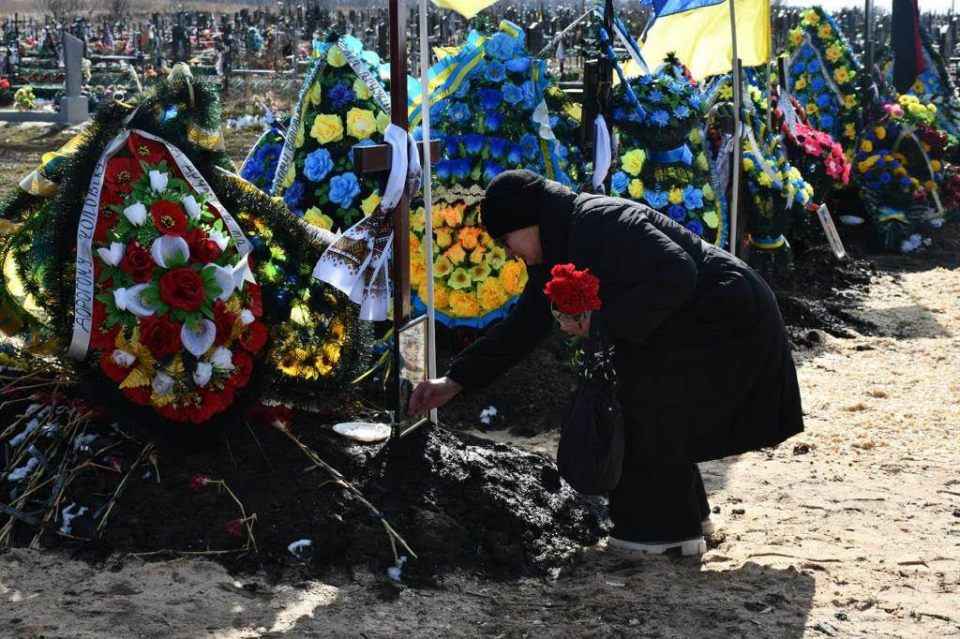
pixel 590 454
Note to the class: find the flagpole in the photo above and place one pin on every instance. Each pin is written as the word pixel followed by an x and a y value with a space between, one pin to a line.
pixel 427 195
pixel 735 195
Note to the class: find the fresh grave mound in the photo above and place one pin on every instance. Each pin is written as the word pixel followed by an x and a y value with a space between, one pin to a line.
pixel 245 494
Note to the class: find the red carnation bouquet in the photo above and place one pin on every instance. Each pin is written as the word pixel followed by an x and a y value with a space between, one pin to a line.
pixel 572 292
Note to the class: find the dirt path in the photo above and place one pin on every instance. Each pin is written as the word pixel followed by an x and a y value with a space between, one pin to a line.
pixel 852 529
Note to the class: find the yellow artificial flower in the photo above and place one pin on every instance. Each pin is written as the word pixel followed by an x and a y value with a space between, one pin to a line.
pixel 418 220
pixel 464 304
pixel 459 279
pixel 337 329
pixel 880 132
pixel 477 255
pixel 702 162
pixel 708 193
pixel 453 215
pixel 932 108
pixel 800 84
pixel 748 164
pixel 834 52
pixel 456 254
pixel 497 257
pixel 513 277
pixel 676 196
pixel 866 146
pixel 317 217
pixel 632 162
pixel 301 135
pixel 811 18
pixel 850 130
pixel 491 295
pixel 824 31
pixel 850 101
pixel 764 179
pixel 486 240
pixel 796 37
pixel 335 57
pixel 441 295
pixel 314 96
pixel 361 89
pixel 695 135
pixel 418 270
pixel 900 172
pixel 930 185
pixel 383 121
pixel 918 86
pixel 811 108
pixel 327 128
pixel 935 165
pixel 469 237
pixel 711 219
pixel 360 123
pixel 726 92
pixel 370 204
pixel 444 237
pixel 636 189
pixel 841 75
pixel 442 268
pixel 415 246
pixel 479 272
pixel 331 352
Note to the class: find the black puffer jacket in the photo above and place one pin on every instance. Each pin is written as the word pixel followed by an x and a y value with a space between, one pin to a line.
pixel 702 354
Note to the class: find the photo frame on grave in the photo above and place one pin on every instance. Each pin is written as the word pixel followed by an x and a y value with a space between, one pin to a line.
pixel 412 369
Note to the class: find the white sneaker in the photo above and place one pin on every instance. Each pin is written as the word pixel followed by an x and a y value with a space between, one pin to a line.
pixel 687 547
pixel 709 526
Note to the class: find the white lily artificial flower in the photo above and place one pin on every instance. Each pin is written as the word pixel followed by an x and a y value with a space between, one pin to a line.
pixel 158 181
pixel 136 213
pixel 202 374
pixel 221 239
pixel 112 255
pixel 123 358
pixel 191 206
pixel 128 299
pixel 162 384
pixel 247 317
pixel 224 278
pixel 166 248
pixel 199 340
pixel 222 358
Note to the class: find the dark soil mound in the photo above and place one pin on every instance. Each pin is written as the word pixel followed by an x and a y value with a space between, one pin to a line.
pixel 456 500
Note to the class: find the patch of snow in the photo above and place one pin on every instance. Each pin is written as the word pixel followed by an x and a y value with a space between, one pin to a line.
pixel 395 572
pixel 70 513
pixel 19 474
pixel 487 415
pixel 298 546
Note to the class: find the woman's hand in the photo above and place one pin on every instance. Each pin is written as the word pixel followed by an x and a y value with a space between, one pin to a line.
pixel 574 328
pixel 431 394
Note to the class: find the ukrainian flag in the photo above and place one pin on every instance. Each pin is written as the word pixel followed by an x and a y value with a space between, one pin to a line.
pixel 466 8
pixel 698 31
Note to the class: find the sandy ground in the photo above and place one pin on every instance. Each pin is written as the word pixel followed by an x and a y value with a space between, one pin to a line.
pixel 849 530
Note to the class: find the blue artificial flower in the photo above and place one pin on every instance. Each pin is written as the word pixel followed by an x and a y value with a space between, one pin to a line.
pixel 661 118
pixel 529 143
pixel 520 64
pixel 823 101
pixel 885 177
pixel 494 72
pixel 318 165
pixel 461 169
pixel 341 96
pixel 512 93
pixel 938 177
pixel 880 163
pixel 252 170
pixel 619 115
pixel 438 110
pixel 894 165
pixel 268 153
pixel 491 170
pixel 460 112
pixel 656 199
pixel 554 121
pixel 655 96
pixel 905 181
pixel 343 188
pixel 367 142
pixel 515 155
pixel 451 146
pixel 493 120
pixel 444 170
pixel 807 51
pixel 561 151
pixel 473 143
pixel 501 46
pixel 826 122
pixel 463 90
pixel 692 197
pixel 170 113
pixel 498 148
pixel 681 111
pixel 817 84
pixel 874 185
pixel 620 182
pixel 418 131
pixel 813 66
pixel 489 99
pixel 677 213
pixel 798 67
pixel 293 194
pixel 529 93
pixel 695 227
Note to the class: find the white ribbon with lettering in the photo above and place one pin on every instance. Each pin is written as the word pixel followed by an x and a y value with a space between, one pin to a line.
pixel 602 153
pixel 356 263
pixel 87 226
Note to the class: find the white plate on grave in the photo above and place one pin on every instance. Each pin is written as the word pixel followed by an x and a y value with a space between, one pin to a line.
pixel 364 432
pixel 852 220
